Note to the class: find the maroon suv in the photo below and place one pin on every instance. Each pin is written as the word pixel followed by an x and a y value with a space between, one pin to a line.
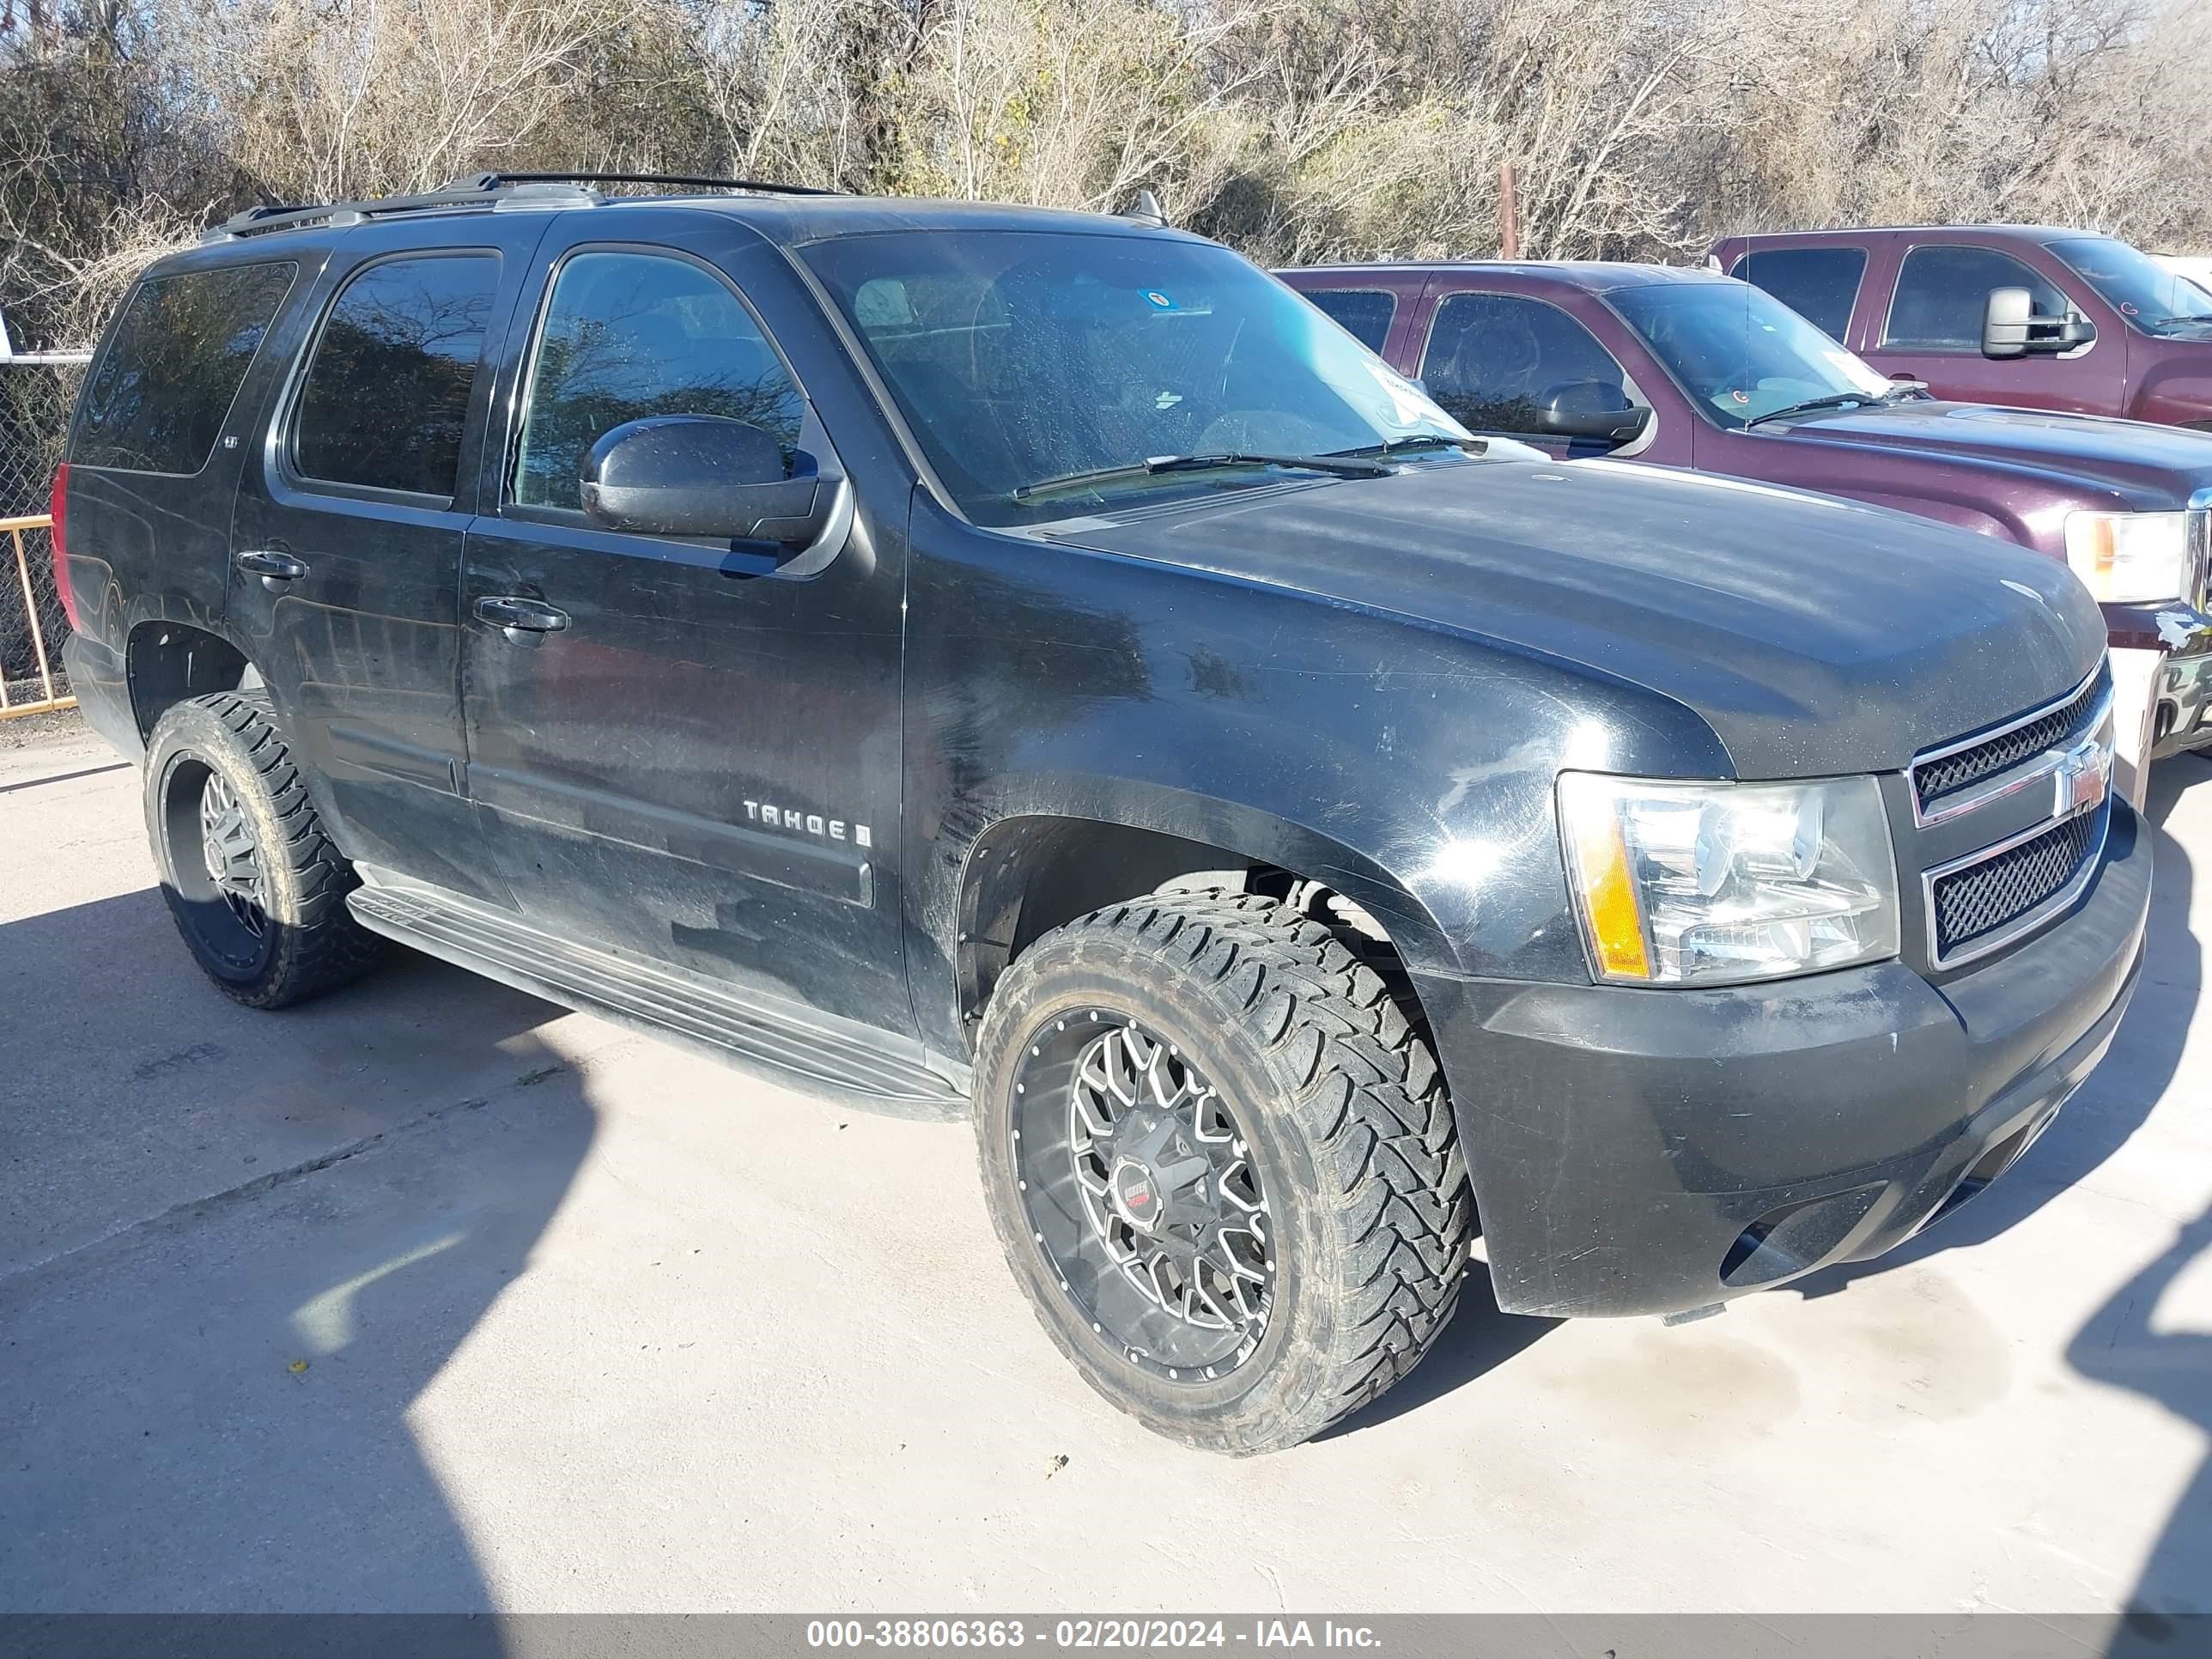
pixel 1689 368
pixel 2001 314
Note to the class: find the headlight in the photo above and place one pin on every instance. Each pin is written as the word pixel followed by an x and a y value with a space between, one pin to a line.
pixel 1714 884
pixel 2131 558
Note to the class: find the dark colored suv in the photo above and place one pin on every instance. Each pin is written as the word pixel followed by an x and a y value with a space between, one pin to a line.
pixel 1686 368
pixel 2027 314
pixel 1031 663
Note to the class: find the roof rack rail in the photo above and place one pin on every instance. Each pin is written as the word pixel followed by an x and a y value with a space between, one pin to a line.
pixel 475 190
pixel 484 190
pixel 496 180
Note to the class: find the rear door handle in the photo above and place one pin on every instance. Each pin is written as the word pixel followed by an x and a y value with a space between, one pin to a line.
pixel 520 618
pixel 274 568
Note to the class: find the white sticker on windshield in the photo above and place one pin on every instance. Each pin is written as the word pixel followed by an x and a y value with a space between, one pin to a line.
pixel 1856 370
pixel 1408 403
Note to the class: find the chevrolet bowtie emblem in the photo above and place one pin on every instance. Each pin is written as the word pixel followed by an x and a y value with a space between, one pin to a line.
pixel 2085 774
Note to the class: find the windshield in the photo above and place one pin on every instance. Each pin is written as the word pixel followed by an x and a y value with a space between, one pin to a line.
pixel 2154 299
pixel 1020 357
pixel 1739 352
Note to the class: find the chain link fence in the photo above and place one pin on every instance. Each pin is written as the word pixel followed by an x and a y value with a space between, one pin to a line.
pixel 36 396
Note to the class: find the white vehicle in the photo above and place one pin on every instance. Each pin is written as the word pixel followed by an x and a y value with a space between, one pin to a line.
pixel 2196 267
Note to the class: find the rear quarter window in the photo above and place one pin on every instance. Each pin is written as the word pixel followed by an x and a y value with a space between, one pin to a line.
pixel 1364 313
pixel 1820 284
pixel 173 366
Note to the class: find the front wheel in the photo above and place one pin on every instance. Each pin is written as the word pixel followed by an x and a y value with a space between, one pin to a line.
pixel 1222 1165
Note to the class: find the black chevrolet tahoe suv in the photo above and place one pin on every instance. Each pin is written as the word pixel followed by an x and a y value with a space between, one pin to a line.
pixel 985 658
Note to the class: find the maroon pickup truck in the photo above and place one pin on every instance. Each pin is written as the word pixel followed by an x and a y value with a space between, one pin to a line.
pixel 1607 363
pixel 2020 314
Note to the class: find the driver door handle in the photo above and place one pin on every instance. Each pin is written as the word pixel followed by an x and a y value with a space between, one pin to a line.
pixel 274 568
pixel 519 617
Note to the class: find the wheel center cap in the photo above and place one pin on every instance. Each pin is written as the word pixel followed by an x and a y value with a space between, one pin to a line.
pixel 1136 1194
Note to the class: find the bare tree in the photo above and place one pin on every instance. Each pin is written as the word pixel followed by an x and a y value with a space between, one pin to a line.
pixel 1297 130
pixel 1050 103
pixel 333 100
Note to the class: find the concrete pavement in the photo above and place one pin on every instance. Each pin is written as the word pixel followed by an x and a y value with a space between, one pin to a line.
pixel 431 1296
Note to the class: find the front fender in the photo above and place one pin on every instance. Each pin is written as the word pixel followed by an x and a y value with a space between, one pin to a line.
pixel 2175 395
pixel 1250 834
pixel 1410 766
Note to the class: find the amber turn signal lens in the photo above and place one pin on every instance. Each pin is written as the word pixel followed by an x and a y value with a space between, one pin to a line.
pixel 1616 922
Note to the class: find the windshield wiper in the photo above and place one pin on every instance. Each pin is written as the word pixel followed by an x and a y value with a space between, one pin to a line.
pixel 1833 400
pixel 1341 466
pixel 1420 441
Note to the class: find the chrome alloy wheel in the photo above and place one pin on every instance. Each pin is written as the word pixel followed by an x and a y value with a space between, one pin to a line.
pixel 231 854
pixel 1143 1193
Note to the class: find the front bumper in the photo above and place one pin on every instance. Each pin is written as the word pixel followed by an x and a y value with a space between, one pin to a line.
pixel 1650 1151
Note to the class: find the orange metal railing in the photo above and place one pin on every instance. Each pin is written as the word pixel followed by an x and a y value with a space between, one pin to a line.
pixel 44 681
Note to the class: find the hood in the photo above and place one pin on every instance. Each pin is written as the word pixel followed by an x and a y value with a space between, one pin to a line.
pixel 1813 635
pixel 2154 467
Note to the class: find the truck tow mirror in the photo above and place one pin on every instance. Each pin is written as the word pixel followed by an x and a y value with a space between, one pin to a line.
pixel 703 475
pixel 1600 410
pixel 2012 327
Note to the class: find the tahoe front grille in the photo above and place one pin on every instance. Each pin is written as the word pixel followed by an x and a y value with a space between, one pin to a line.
pixel 1940 779
pixel 1979 904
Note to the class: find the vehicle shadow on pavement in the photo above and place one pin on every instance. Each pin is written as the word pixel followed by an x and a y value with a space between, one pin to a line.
pixel 2117 1345
pixel 2118 1095
pixel 1478 1339
pixel 207 1407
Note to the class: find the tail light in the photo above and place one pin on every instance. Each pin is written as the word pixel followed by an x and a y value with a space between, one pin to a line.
pixel 59 509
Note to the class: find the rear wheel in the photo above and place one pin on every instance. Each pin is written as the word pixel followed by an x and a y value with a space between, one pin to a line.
pixel 1222 1165
pixel 256 887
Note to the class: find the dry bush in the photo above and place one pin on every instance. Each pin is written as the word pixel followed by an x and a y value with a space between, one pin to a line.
pixel 2069 111
pixel 333 100
pixel 1295 130
pixel 1062 103
pixel 94 180
pixel 793 89
pixel 1382 131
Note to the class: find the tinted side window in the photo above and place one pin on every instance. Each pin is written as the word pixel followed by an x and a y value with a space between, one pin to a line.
pixel 172 367
pixel 1494 359
pixel 387 393
pixel 1364 313
pixel 629 336
pixel 1942 293
pixel 1820 283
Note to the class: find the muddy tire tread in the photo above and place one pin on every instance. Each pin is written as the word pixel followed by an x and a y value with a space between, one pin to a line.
pixel 1365 1093
pixel 320 946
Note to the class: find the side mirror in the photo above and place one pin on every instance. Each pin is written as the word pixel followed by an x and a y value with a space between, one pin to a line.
pixel 702 475
pixel 1591 409
pixel 2011 326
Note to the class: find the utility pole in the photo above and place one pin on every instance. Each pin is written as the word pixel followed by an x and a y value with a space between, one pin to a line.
pixel 1509 214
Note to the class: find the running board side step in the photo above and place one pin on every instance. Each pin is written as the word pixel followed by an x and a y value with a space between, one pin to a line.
pixel 888 1075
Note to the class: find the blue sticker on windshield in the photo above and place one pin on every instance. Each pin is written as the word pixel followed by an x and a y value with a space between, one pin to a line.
pixel 1159 300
